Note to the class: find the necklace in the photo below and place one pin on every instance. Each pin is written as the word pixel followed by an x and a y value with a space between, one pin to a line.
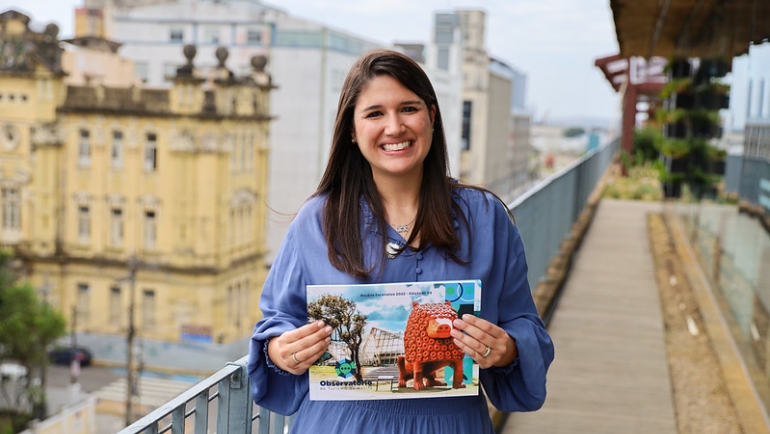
pixel 402 229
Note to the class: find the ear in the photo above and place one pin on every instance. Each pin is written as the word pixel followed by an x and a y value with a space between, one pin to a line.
pixel 433 114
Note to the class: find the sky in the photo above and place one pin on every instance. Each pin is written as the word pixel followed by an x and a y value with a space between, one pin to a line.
pixel 554 42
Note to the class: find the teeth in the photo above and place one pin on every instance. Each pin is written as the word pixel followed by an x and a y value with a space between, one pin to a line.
pixel 396 146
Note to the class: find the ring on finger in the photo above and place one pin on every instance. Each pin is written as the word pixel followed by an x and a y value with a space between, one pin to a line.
pixel 294 357
pixel 486 352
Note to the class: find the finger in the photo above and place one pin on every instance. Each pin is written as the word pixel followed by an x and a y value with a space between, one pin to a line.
pixel 472 351
pixel 470 344
pixel 464 330
pixel 308 356
pixel 486 326
pixel 291 341
pixel 304 331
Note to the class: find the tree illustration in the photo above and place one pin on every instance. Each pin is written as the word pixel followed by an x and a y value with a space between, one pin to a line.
pixel 348 323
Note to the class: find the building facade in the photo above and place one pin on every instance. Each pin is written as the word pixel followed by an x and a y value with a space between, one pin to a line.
pixel 130 199
pixel 495 145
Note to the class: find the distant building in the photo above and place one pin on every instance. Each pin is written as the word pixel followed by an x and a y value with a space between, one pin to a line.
pixel 92 60
pixel 308 61
pixel 101 180
pixel 495 141
pixel 750 88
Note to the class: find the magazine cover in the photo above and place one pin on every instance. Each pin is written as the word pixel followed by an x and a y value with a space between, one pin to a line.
pixel 392 341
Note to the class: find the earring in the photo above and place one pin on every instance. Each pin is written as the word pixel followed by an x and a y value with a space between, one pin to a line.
pixel 352 140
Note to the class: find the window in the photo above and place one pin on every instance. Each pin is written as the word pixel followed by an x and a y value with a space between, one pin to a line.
pixel 443 59
pixel 84 148
pixel 243 152
pixel 232 228
pixel 211 35
pixel 116 228
pixel 84 223
pixel 466 131
pixel 169 71
pixel 151 153
pixel 117 149
pixel 237 302
pixel 230 302
pixel 176 35
pixel 237 138
pixel 148 309
pixel 81 311
pixel 247 223
pixel 150 229
pixel 115 305
pixel 142 71
pixel 253 37
pixel 11 209
pixel 250 154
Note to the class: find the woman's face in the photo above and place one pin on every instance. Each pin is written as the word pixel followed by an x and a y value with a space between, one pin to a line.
pixel 393 128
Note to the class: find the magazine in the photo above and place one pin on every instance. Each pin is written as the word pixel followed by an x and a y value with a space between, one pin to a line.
pixel 392 341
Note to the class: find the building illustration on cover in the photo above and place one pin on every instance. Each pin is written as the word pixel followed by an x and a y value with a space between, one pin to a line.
pixel 392 341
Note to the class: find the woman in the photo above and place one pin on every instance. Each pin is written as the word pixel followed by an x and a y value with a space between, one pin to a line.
pixel 387 211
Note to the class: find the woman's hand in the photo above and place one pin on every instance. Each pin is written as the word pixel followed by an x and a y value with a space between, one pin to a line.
pixel 296 350
pixel 488 344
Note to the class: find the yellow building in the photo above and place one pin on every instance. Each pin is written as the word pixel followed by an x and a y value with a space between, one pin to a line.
pixel 102 184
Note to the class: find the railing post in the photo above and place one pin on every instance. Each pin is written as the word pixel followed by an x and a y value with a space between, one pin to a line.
pixel 264 421
pixel 234 411
pixel 717 259
pixel 202 413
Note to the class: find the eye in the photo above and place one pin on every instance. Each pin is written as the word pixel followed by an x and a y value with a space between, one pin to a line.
pixel 410 108
pixel 373 114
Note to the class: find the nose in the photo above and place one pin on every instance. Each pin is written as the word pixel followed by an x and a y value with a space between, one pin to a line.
pixel 394 125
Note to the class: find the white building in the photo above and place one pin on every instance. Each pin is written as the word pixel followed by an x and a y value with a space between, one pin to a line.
pixel 307 61
pixel 495 126
pixel 750 87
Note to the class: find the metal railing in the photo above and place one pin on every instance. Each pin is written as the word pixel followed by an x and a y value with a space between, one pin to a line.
pixel 544 216
pixel 228 392
pixel 545 213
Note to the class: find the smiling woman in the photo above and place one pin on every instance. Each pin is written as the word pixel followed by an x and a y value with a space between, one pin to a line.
pixel 387 211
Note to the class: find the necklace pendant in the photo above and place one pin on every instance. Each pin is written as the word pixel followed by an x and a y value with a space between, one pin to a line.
pixel 402 229
pixel 392 249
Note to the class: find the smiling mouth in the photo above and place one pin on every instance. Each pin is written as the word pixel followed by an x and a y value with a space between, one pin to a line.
pixel 397 146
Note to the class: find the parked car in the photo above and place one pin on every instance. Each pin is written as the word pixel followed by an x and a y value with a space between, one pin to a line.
pixel 65 355
pixel 12 371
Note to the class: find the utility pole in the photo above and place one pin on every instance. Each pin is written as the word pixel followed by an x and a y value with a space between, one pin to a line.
pixel 131 381
pixel 75 362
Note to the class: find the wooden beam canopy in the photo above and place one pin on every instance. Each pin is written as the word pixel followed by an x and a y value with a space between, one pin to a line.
pixel 690 28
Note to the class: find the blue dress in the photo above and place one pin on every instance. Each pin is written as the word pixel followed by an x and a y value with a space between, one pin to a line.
pixel 498 261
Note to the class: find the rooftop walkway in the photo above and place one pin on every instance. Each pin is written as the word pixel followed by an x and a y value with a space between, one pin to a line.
pixel 610 374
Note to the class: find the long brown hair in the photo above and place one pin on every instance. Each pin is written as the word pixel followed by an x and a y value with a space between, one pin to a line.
pixel 348 176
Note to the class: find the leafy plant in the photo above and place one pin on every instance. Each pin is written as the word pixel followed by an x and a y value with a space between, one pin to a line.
pixel 674 148
pixel 678 85
pixel 27 327
pixel 574 132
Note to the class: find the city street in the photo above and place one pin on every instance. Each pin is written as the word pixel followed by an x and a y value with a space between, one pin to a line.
pixel 109 387
pixel 91 379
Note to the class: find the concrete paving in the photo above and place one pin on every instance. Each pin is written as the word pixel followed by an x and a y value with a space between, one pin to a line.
pixel 610 374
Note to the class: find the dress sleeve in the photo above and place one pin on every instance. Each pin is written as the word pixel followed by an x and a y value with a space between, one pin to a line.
pixel 283 305
pixel 521 385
